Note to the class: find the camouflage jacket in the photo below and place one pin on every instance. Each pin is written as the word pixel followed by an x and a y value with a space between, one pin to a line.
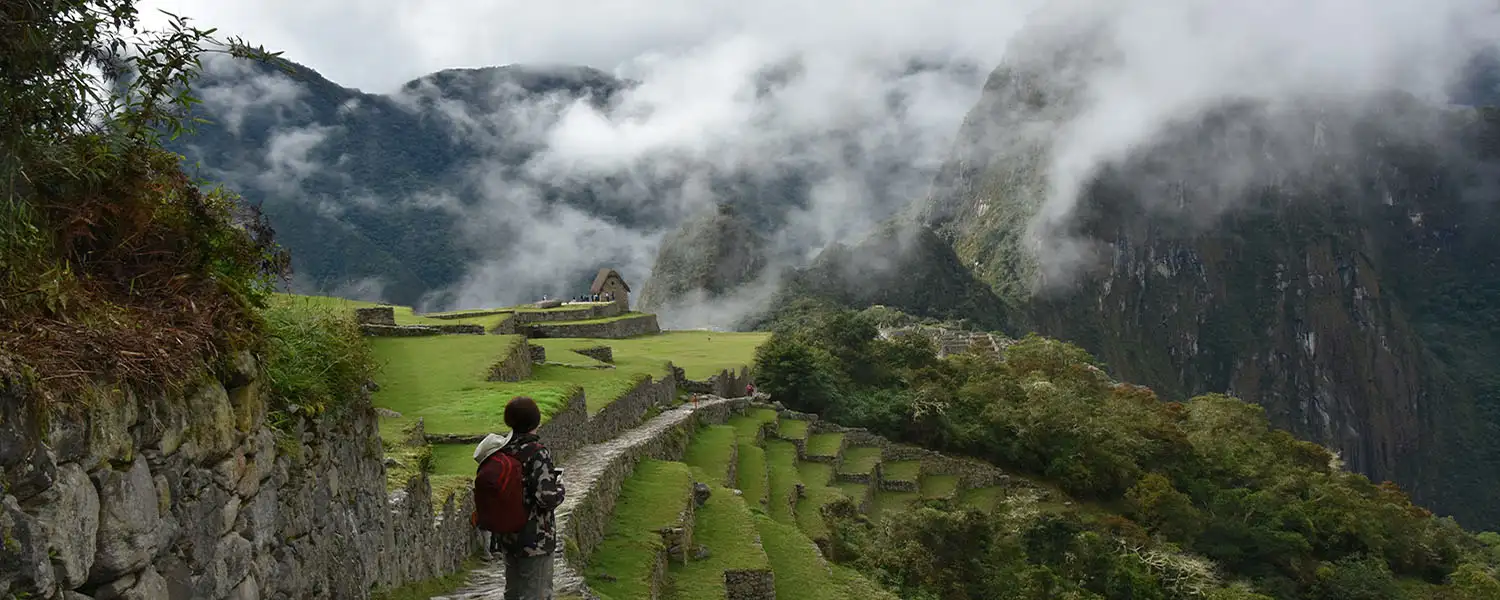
pixel 544 492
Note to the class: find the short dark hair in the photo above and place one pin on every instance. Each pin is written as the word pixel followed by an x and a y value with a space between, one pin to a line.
pixel 522 415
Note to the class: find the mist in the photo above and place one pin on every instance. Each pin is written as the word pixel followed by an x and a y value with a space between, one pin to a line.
pixel 825 89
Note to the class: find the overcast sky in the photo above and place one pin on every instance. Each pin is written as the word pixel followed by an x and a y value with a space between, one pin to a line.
pixel 376 45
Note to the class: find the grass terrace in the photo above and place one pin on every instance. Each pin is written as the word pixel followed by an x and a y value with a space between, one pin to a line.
pixel 792 429
pixel 825 444
pixel 489 319
pixel 700 354
pixel 860 460
pixel 906 470
pixel 651 499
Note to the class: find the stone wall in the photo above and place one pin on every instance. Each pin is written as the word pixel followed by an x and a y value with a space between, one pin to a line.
pixel 515 365
pixel 599 353
pixel 398 330
pixel 614 329
pixel 749 584
pixel 586 511
pixel 538 353
pixel 567 430
pixel 628 410
pixel 194 496
pixel 581 313
pixel 380 315
pixel 726 383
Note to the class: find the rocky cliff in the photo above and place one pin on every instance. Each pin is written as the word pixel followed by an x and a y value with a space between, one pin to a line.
pixel 194 495
pixel 1330 259
pixel 707 257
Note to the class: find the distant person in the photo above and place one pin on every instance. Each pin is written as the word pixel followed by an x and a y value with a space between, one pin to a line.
pixel 516 490
pixel 749 389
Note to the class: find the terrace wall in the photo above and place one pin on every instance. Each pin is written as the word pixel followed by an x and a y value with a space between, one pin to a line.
pixel 619 328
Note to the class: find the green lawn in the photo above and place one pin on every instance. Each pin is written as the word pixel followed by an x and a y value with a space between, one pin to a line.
pixel 619 317
pixel 939 486
pixel 791 429
pixel 710 451
pixel 815 474
pixel 601 387
pixel 891 501
pixel 854 491
pixel 801 573
pixel 906 470
pixel 825 444
pixel 860 460
pixel 751 473
pixel 651 499
pixel 746 428
pixel 404 314
pixel 781 459
pixel 442 379
pixel 985 498
pixel 699 354
pixel 727 528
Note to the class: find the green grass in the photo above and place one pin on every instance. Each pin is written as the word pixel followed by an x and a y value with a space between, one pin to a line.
pixel 404 315
pixel 746 428
pixel 601 387
pixel 700 354
pixel 815 474
pixel 985 498
pixel 727 528
pixel 751 473
pixel 854 491
pixel 710 451
pixel 886 501
pixel 791 429
pixel 652 498
pixel 764 415
pixel 442 380
pixel 856 586
pixel 825 444
pixel 810 510
pixel 801 573
pixel 939 486
pixel 860 460
pixel 906 470
pixel 781 459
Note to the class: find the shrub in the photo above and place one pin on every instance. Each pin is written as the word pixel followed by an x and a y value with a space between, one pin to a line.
pixel 316 359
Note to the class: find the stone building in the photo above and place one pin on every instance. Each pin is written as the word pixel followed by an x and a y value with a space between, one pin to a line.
pixel 608 281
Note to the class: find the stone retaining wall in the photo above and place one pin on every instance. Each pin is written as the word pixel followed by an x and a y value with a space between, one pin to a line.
pixel 599 353
pixel 628 410
pixel 747 584
pixel 586 511
pixel 380 315
pixel 398 330
pixel 194 496
pixel 582 313
pixel 615 329
pixel 515 365
pixel 726 383
pixel 469 314
pixel 567 430
pixel 538 353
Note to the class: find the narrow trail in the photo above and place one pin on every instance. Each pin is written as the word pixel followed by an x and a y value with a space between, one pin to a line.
pixel 580 474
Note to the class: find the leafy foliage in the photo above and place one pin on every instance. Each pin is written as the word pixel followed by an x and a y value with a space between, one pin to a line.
pixel 316 359
pixel 1208 476
pixel 113 263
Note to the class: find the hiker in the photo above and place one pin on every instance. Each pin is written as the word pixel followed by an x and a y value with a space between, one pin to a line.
pixel 516 490
pixel 749 389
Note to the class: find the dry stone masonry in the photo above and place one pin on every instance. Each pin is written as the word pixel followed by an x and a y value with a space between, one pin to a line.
pixel 622 327
pixel 194 496
pixel 515 366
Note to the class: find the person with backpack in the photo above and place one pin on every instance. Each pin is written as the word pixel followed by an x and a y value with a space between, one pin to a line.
pixel 516 490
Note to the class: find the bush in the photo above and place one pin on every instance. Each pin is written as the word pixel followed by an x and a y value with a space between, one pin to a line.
pixel 316 359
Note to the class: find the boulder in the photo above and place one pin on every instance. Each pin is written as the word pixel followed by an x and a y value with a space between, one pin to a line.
pixel 129 518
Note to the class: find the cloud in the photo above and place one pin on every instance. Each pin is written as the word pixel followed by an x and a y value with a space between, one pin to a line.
pixel 1142 68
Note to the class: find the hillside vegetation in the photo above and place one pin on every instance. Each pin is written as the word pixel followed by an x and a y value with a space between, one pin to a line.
pixel 1169 499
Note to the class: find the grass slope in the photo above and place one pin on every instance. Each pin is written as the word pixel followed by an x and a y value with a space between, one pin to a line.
pixel 860 460
pixel 825 444
pixel 939 486
pixel 726 527
pixel 781 459
pixel 751 474
pixel 700 354
pixel 710 453
pixel 801 572
pixel 652 498
pixel 791 429
pixel 442 380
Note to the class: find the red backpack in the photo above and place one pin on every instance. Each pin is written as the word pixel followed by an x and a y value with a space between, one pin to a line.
pixel 500 492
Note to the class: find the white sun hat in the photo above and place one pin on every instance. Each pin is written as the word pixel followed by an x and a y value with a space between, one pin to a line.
pixel 489 445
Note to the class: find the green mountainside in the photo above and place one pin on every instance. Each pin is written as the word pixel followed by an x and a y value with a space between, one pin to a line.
pixel 1343 277
pixel 706 257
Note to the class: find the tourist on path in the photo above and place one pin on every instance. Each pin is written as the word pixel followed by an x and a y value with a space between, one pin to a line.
pixel 516 490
